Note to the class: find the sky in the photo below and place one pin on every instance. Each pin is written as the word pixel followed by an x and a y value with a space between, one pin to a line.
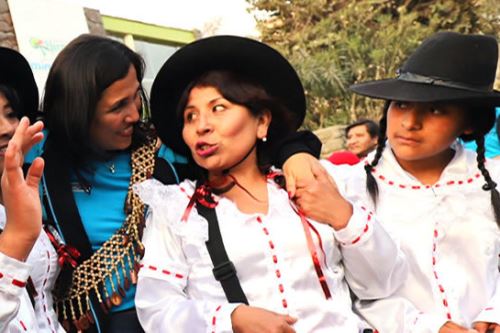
pixel 228 16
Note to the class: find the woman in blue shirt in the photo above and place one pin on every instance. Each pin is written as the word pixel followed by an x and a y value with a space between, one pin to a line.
pixel 99 143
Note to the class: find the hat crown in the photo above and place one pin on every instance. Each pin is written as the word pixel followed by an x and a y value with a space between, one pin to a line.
pixel 470 60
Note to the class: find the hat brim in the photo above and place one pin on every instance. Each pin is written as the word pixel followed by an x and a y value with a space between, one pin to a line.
pixel 16 72
pixel 242 55
pixel 399 90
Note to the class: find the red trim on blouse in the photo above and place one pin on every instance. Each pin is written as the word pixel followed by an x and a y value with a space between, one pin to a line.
pixel 418 187
pixel 274 257
pixel 434 263
pixel 163 271
pixel 18 283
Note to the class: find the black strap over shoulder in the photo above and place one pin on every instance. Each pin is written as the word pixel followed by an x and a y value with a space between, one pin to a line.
pixel 60 206
pixel 224 270
pixel 61 202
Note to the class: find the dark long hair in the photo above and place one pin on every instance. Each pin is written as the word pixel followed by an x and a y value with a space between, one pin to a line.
pixel 11 95
pixel 243 91
pixel 79 75
pixel 480 117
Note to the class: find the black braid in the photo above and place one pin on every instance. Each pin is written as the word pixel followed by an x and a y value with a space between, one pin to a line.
pixel 490 184
pixel 371 182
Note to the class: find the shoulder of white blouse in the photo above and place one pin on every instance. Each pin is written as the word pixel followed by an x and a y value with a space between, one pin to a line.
pixel 153 193
pixel 168 204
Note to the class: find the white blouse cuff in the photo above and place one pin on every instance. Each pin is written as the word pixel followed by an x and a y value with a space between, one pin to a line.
pixel 220 321
pixel 428 323
pixel 358 229
pixel 13 274
pixel 490 314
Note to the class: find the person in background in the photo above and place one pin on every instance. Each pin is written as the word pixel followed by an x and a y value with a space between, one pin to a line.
pixel 361 139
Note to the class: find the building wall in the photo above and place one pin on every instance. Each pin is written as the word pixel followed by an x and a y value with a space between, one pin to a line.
pixel 7 34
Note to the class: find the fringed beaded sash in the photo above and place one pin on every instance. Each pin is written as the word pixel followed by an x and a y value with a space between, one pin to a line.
pixel 123 250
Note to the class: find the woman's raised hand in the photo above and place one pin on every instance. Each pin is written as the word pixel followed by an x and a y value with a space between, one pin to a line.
pixel 20 195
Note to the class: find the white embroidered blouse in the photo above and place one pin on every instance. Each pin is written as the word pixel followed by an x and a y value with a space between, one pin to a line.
pixel 177 291
pixel 17 313
pixel 449 236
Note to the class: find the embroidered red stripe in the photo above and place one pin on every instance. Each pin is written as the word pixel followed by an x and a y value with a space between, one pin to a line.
pixel 163 271
pixel 434 261
pixel 18 283
pixel 418 187
pixel 214 318
pixel 274 257
pixel 365 230
pixel 22 325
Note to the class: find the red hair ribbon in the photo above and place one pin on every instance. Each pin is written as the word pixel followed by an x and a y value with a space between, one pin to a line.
pixel 66 254
pixel 314 253
pixel 308 226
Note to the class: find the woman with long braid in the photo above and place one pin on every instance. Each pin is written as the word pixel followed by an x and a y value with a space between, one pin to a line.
pixel 440 201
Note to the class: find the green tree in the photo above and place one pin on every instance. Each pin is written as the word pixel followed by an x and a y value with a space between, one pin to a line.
pixel 333 44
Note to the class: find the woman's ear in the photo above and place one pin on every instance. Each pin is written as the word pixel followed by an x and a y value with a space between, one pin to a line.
pixel 264 121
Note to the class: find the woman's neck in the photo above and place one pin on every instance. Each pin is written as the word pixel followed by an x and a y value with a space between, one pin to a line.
pixel 428 171
pixel 250 190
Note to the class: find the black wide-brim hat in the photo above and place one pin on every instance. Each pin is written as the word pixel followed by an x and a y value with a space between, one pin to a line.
pixel 16 73
pixel 247 57
pixel 447 66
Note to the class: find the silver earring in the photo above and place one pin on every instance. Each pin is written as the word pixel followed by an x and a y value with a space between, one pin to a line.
pixel 264 139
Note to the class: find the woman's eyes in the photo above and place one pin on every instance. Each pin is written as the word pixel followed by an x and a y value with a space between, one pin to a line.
pixel 10 113
pixel 218 107
pixel 189 116
pixel 434 110
pixel 192 115
pixel 137 100
pixel 401 105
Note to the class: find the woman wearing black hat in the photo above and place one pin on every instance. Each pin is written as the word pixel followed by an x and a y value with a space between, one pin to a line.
pixel 229 250
pixel 440 200
pixel 28 261
pixel 98 145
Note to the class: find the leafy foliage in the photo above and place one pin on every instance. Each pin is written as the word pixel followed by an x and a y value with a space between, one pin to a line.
pixel 334 43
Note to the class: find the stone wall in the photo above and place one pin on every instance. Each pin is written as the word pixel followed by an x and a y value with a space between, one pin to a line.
pixel 7 34
pixel 332 139
pixel 94 21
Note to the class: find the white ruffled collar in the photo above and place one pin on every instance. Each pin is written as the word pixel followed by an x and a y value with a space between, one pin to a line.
pixel 461 170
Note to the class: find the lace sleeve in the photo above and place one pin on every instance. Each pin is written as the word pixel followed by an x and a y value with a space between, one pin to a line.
pixel 166 205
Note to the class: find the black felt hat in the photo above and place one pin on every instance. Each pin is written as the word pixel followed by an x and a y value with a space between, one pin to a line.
pixel 16 73
pixel 447 66
pixel 244 56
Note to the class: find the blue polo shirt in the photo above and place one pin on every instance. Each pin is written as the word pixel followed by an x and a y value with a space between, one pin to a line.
pixel 102 209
